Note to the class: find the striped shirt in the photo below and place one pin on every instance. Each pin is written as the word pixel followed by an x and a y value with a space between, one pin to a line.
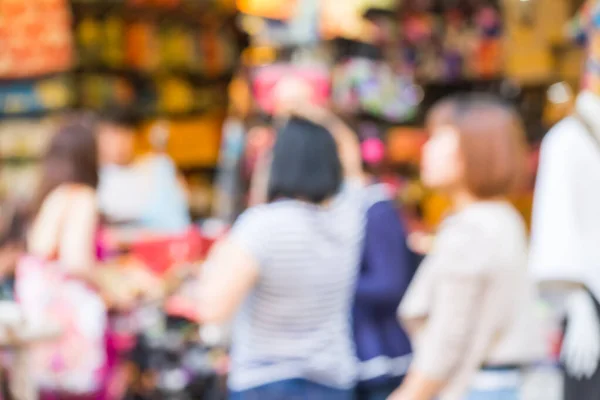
pixel 296 322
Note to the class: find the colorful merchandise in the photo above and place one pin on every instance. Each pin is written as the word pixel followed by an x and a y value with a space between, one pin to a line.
pixel 372 147
pixel 25 97
pixel 100 91
pixel 585 28
pixel 404 145
pixel 22 139
pixel 266 79
pixel 35 37
pixel 162 255
pixel 462 41
pixel 371 87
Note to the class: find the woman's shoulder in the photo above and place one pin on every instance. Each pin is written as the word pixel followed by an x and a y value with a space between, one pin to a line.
pixel 487 215
pixel 69 193
pixel 483 229
pixel 270 212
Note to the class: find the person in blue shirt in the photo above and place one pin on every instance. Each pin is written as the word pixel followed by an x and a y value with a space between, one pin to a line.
pixel 387 267
pixel 144 193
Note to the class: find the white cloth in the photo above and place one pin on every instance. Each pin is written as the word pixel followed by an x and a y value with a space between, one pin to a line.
pixel 581 346
pixel 123 192
pixel 566 215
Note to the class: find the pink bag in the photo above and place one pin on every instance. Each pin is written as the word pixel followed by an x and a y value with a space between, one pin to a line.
pixel 73 364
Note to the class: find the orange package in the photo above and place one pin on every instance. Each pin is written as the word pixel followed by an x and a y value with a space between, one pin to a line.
pixel 35 36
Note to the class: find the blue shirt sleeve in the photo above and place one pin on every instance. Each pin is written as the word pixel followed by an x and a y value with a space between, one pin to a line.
pixel 387 264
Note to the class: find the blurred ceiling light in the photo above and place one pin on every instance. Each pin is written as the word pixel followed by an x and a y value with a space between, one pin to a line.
pixel 560 93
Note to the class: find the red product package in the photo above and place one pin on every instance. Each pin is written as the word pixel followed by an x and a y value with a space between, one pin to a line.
pixel 266 79
pixel 161 254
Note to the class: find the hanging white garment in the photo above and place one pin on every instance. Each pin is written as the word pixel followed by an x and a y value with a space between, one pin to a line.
pixel 565 244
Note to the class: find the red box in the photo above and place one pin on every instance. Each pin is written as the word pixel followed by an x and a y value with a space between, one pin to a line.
pixel 161 254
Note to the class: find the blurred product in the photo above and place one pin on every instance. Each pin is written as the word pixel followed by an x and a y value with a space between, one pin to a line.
pixel 36 38
pixel 266 79
pixel 453 41
pixel 363 85
pixel 28 97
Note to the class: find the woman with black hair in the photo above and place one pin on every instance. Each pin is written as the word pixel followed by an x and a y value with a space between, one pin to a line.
pixel 290 267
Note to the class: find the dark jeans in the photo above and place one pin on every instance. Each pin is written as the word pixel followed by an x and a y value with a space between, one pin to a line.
pixel 296 389
pixel 377 392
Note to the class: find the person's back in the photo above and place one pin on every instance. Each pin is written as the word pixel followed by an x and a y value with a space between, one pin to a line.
pixel 516 336
pixel 287 269
pixel 293 321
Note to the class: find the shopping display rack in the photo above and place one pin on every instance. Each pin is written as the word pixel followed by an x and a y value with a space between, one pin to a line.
pixel 160 349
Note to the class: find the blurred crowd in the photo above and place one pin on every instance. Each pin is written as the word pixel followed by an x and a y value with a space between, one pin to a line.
pixel 325 293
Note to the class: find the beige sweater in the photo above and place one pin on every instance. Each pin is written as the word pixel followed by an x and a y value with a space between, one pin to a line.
pixel 472 302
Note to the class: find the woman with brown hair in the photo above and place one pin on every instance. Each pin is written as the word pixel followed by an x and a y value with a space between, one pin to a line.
pixel 58 282
pixel 470 308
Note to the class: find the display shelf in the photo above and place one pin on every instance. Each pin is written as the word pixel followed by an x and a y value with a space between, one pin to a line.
pixel 6 80
pixel 35 114
pixel 138 74
pixel 20 160
pixel 186 11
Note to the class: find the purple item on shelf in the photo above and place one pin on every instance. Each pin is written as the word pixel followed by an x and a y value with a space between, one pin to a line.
pixel 454 65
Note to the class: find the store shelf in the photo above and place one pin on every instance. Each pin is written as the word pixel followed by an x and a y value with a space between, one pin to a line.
pixel 188 11
pixel 39 114
pixel 133 73
pixel 20 160
pixel 10 80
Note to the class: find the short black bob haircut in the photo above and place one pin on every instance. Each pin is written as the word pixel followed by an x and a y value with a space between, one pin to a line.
pixel 306 165
pixel 123 117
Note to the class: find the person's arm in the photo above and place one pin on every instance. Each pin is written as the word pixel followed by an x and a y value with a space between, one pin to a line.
pixel 348 147
pixel 453 315
pixel 449 329
pixel 388 269
pixel 233 267
pixel 229 275
pixel 77 242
